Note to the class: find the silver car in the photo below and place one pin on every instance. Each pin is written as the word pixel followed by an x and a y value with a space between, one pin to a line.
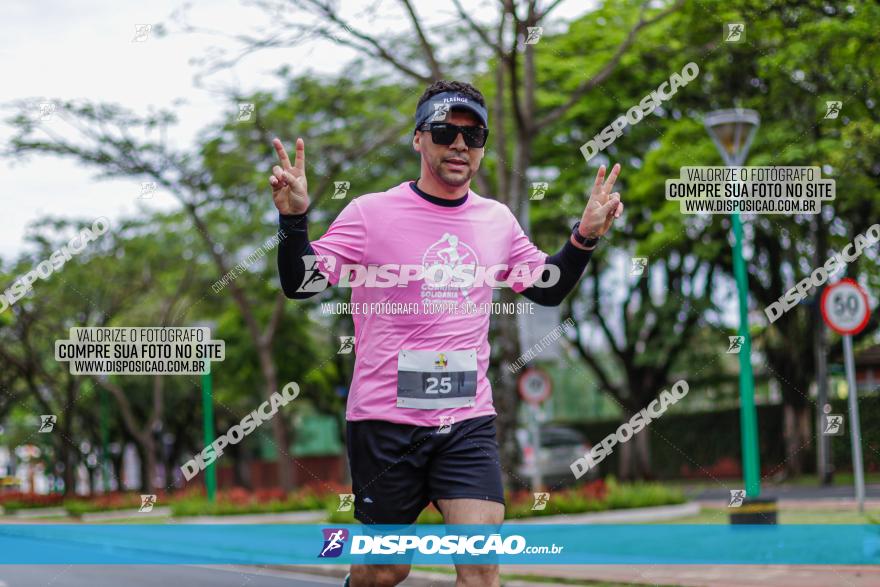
pixel 560 447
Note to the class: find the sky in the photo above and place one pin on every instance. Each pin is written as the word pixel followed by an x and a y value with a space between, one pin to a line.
pixel 61 50
pixel 55 50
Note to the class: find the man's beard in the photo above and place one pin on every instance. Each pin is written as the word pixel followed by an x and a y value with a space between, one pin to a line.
pixel 452 178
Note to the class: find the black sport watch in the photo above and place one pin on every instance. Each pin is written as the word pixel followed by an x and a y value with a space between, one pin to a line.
pixel 583 240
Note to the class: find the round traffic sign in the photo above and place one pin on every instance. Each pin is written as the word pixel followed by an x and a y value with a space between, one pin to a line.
pixel 845 307
pixel 534 386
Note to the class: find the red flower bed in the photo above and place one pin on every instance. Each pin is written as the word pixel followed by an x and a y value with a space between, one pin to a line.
pixel 595 490
pixel 31 500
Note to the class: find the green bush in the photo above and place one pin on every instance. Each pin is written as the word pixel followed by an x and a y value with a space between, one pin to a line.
pixel 616 496
pixel 200 506
pixel 676 435
pixel 112 502
pixel 641 495
pixel 17 500
pixel 610 495
pixel 428 516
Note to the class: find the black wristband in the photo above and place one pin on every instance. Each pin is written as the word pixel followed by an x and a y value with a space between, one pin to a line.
pixel 583 240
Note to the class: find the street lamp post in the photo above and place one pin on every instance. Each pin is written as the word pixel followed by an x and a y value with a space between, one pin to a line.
pixel 208 417
pixel 732 132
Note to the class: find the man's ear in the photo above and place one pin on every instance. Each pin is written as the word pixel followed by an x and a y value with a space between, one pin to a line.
pixel 417 145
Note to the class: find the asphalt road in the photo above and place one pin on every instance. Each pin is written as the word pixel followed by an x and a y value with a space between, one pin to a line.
pixel 154 576
pixel 804 492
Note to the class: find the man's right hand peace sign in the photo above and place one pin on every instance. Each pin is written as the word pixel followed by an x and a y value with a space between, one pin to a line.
pixel 290 191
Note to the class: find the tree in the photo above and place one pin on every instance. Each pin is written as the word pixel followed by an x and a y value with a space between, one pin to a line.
pixel 221 187
pixel 512 89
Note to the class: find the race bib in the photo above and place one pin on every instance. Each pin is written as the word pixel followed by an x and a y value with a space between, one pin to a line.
pixel 432 380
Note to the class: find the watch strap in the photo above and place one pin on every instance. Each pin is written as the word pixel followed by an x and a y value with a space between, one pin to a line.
pixel 583 240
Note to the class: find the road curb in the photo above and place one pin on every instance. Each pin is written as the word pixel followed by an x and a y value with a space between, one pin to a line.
pixel 416 578
pixel 663 512
pixel 156 512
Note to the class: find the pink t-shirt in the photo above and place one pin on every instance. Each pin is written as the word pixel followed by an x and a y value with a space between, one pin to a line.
pixel 401 228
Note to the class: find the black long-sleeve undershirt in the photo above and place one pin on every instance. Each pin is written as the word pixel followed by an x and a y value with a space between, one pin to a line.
pixel 571 260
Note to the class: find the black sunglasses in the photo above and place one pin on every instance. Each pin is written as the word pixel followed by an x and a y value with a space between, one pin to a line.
pixel 443 133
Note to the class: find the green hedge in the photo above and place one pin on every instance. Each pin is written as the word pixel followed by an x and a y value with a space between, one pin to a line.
pixel 869 416
pixel 200 506
pixel 569 501
pixel 703 439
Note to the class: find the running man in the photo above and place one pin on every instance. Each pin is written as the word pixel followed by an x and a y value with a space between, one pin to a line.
pixel 415 373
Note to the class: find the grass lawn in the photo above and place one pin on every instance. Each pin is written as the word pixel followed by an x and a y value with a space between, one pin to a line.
pixel 61 518
pixel 136 520
pixel 840 480
pixel 805 516
pixel 539 579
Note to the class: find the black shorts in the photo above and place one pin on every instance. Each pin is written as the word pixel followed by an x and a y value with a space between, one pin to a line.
pixel 397 469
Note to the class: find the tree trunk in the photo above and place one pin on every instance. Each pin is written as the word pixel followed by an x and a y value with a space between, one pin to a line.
pixel 279 429
pixel 147 456
pixel 642 448
pixel 797 437
pixel 634 455
pixel 505 395
pixel 625 464
pixel 68 458
pixel 148 463
pixel 116 471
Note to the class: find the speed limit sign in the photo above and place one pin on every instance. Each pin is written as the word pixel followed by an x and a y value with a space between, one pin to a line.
pixel 534 386
pixel 845 307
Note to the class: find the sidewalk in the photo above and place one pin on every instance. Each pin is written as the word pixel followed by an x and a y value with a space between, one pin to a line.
pixel 784 503
pixel 711 575
pixel 661 575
